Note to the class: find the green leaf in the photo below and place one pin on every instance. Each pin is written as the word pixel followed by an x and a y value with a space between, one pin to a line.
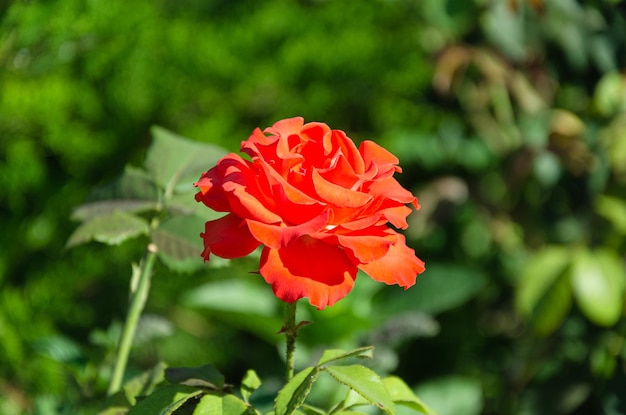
pixel 114 410
pixel 613 209
pixel 401 394
pixel 293 394
pixel 541 272
pixel 179 243
pixel 165 400
pixel 365 382
pixel 249 384
pixel 185 204
pixel 233 295
pixel 111 229
pixel 336 355
pixel 143 384
pixel 610 94
pixel 453 395
pixel 59 348
pixel 133 184
pixel 176 162
pixel 206 375
pixel 312 410
pixel 352 399
pixel 553 306
pixel 106 207
pixel 211 404
pixel 150 328
pixel 242 302
pixel 442 288
pixel 235 406
pixel 598 284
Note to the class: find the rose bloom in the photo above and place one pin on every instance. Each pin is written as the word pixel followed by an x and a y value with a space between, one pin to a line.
pixel 320 207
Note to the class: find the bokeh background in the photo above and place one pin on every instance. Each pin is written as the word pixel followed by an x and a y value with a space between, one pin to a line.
pixel 509 118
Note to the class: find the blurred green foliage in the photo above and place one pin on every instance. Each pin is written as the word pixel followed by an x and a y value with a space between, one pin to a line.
pixel 509 118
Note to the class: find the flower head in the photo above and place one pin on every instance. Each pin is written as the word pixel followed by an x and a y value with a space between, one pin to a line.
pixel 320 207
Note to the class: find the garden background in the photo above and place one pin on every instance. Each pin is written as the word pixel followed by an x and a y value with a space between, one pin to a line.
pixel 509 119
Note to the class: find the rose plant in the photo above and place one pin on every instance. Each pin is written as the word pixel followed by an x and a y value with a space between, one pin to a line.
pixel 320 209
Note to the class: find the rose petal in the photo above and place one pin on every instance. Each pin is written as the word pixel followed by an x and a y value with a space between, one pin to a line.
pixel 231 186
pixel 228 237
pixel 308 268
pixel 211 195
pixel 347 147
pixel 247 202
pixel 366 245
pixel 286 127
pixel 337 195
pixel 340 173
pixel 363 223
pixel 391 189
pixel 278 237
pixel 397 216
pixel 374 154
pixel 399 266
pixel 292 204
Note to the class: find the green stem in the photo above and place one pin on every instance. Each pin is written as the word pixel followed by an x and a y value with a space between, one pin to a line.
pixel 291 331
pixel 139 294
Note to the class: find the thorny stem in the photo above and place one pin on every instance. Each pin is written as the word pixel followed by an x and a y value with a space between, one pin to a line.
pixel 291 332
pixel 138 297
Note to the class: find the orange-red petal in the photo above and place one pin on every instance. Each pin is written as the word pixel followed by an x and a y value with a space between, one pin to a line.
pixel 308 268
pixel 228 237
pixel 399 266
pixel 279 236
pixel 337 195
pixel 374 154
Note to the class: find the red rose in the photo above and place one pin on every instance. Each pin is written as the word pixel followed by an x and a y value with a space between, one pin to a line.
pixel 318 204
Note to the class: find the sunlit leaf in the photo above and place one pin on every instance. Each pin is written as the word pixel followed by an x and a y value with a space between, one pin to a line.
pixel 112 229
pixel 311 410
pixel 293 394
pixel 365 382
pixel 235 406
pixel 211 404
pixel 114 410
pixel 539 274
pixel 613 209
pixel 552 308
pixel 598 283
pixel 336 355
pixel 610 94
pixel 401 394
pixel 249 384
